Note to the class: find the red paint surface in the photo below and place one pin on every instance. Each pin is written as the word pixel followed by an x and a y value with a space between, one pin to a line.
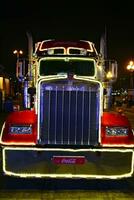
pixel 116 120
pixel 26 117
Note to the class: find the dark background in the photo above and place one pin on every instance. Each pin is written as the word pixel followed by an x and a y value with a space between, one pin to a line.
pixel 67 20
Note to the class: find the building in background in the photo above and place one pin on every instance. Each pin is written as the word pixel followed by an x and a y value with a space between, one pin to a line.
pixel 5 87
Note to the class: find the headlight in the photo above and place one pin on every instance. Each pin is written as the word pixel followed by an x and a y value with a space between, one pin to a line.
pixel 116 131
pixel 20 129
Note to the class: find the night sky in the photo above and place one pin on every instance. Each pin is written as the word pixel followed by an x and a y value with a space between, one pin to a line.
pixel 67 20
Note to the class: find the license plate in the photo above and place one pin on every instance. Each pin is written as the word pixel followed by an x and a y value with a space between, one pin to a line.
pixel 78 160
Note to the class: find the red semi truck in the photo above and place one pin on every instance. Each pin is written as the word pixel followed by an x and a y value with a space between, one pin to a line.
pixel 64 131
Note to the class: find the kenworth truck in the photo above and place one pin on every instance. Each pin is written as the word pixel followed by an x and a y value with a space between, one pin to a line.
pixel 64 131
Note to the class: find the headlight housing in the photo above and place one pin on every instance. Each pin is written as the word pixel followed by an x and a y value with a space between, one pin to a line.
pixel 20 129
pixel 116 131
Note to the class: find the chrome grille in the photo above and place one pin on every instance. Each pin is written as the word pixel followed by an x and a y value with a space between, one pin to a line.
pixel 69 114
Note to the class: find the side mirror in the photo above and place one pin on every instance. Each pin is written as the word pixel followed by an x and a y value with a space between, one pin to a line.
pixel 104 91
pixel 32 90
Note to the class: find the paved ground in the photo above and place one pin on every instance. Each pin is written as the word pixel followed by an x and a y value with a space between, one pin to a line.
pixel 71 190
pixel 66 195
pixel 68 189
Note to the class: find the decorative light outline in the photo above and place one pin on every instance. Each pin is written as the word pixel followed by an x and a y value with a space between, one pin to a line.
pixel 38 175
pixel 36 47
pixel 70 58
pixel 75 77
pixel 76 48
pixel 118 145
pixel 42 42
pixel 91 45
pixel 53 48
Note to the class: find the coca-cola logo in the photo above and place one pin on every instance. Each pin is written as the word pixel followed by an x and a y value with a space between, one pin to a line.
pixel 68 160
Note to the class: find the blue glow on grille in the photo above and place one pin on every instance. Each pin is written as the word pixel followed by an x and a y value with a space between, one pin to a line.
pixel 66 87
pixel 69 113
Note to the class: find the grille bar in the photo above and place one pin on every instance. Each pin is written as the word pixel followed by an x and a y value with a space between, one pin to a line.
pixel 89 119
pixel 69 117
pixel 76 117
pixel 55 114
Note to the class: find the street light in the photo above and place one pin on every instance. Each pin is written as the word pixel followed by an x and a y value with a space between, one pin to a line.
pixel 109 75
pixel 18 53
pixel 130 67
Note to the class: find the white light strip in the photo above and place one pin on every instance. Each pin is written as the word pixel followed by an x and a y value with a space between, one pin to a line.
pixel 41 44
pixel 38 175
pixel 118 145
pixel 70 58
pixel 91 44
pixel 37 46
pixel 1 134
pixel 18 143
pixel 90 49
pixel 69 150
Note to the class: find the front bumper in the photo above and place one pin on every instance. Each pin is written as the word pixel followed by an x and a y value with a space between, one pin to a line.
pixel 38 162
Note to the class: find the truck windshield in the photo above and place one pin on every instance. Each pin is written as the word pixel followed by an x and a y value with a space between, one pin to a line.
pixel 82 67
